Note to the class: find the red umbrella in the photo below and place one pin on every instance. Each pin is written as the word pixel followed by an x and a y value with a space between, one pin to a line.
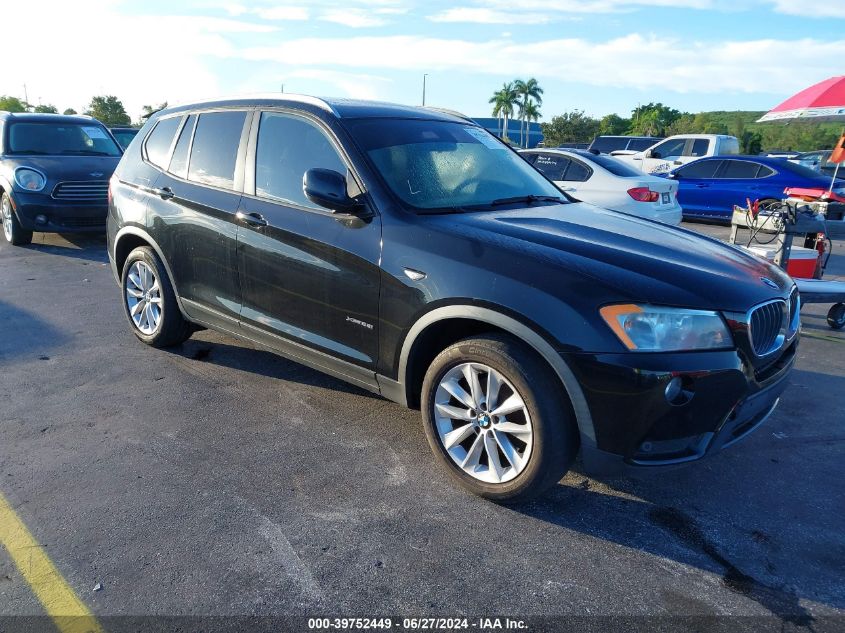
pixel 824 101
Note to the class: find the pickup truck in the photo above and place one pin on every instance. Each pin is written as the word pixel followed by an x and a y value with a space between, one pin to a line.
pixel 675 151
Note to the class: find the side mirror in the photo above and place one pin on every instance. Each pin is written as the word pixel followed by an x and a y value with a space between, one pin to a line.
pixel 327 188
pixel 650 153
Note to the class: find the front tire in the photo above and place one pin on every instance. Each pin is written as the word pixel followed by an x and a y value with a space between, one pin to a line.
pixel 836 316
pixel 150 302
pixel 12 230
pixel 496 416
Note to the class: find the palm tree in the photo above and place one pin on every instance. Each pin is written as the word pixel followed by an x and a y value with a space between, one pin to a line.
pixel 503 102
pixel 527 90
pixel 531 113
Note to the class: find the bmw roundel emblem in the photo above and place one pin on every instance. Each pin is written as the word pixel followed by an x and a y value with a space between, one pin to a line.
pixel 769 282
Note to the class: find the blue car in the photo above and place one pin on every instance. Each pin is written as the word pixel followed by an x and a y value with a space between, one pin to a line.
pixel 709 188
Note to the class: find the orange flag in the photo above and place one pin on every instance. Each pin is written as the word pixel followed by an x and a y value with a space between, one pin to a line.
pixel 838 154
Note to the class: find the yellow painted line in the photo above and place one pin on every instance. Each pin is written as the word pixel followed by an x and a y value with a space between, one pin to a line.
pixel 68 612
pixel 823 337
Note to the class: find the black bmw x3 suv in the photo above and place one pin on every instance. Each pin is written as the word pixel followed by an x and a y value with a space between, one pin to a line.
pixel 413 254
pixel 54 174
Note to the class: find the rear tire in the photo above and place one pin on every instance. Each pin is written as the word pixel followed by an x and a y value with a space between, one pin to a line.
pixel 513 447
pixel 12 230
pixel 836 316
pixel 149 300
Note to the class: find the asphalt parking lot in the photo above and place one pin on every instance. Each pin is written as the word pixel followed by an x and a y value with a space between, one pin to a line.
pixel 218 480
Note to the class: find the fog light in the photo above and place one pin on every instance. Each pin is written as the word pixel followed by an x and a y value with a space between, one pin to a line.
pixel 41 219
pixel 673 389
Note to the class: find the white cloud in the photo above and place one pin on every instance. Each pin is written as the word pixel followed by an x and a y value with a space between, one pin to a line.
pixel 592 6
pixel 353 85
pixel 282 13
pixel 352 17
pixel 480 15
pixel 810 8
pixel 631 62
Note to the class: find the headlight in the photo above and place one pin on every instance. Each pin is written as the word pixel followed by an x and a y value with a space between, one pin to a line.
pixel 29 179
pixel 645 328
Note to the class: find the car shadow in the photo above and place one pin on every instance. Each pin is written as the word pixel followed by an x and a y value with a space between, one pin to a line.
pixel 88 247
pixel 765 516
pixel 32 336
pixel 259 361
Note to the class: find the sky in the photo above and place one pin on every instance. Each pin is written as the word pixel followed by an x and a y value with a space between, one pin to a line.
pixel 600 56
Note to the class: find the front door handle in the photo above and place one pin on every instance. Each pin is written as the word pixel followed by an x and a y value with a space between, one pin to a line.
pixel 253 219
pixel 702 185
pixel 165 193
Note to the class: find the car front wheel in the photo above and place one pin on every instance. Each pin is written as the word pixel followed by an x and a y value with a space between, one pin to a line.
pixel 496 416
pixel 12 230
pixel 150 302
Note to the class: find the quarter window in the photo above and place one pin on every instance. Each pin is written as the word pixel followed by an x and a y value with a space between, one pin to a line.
pixel 214 152
pixel 577 172
pixel 160 139
pixel 287 147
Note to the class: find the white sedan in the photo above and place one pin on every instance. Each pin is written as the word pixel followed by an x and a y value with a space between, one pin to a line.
pixel 608 182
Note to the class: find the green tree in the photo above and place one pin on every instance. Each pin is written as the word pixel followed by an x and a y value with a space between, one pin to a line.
pixel 147 111
pixel 570 127
pixel 109 110
pixel 46 109
pixel 526 90
pixel 504 101
pixel 69 111
pixel 652 119
pixel 614 125
pixel 12 104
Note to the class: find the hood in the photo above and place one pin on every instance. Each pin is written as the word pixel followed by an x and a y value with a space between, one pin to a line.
pixel 62 168
pixel 640 260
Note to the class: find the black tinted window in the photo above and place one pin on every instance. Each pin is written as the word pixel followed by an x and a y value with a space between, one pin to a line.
pixel 159 141
pixel 287 148
pixel 699 169
pixel 608 144
pixel 700 147
pixel 640 144
pixel 670 149
pixel 215 148
pixel 740 169
pixel 179 162
pixel 615 166
pixel 765 172
pixel 551 166
pixel 577 172
pixel 80 139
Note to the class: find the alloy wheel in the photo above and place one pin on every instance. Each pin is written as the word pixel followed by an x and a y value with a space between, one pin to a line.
pixel 483 423
pixel 143 297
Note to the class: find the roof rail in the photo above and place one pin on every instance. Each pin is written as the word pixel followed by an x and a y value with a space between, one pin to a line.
pixel 278 96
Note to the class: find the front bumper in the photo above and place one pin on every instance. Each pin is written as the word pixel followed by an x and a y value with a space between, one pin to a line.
pixel 635 425
pixel 58 216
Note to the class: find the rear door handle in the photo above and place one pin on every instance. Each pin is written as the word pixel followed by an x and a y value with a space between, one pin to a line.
pixel 165 193
pixel 253 219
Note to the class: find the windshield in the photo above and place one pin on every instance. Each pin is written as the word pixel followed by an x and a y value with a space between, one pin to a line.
pixel 80 139
pixel 438 165
pixel 124 136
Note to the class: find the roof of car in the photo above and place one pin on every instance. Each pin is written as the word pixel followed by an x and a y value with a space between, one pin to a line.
pixel 339 107
pixel 765 160
pixel 41 117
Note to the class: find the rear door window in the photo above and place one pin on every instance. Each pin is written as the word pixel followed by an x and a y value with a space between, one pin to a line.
pixel 739 169
pixel 179 162
pixel 288 146
pixel 160 140
pixel 577 172
pixel 699 147
pixel 214 152
pixel 700 169
pixel 551 166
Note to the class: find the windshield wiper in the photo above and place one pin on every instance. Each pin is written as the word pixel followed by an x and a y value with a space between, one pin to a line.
pixel 530 198
pixel 30 152
pixel 86 152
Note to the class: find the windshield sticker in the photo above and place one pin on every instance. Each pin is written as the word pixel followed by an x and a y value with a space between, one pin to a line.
pixel 484 138
pixel 94 132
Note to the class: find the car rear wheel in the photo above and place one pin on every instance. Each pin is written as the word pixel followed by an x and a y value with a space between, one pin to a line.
pixel 496 416
pixel 150 302
pixel 12 230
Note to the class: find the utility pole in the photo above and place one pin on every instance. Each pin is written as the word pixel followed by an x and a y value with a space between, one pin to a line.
pixel 283 87
pixel 424 76
pixel 25 98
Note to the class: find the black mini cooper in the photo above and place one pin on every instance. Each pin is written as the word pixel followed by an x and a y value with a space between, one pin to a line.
pixel 54 174
pixel 413 254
